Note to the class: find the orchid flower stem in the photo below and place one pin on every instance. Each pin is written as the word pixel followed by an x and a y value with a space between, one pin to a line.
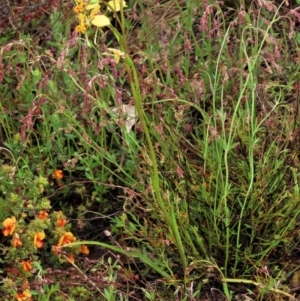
pixel 169 215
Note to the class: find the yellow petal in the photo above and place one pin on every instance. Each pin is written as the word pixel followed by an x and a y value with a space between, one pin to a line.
pixel 92 2
pixel 94 11
pixel 81 18
pixel 116 51
pixel 115 5
pixel 91 6
pixel 117 54
pixel 101 21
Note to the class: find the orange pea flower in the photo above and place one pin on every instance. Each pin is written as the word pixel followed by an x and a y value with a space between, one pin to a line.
pixel 58 174
pixel 38 239
pixel 23 296
pixel 61 222
pixel 84 249
pixel 70 258
pixel 56 249
pixel 16 241
pixel 26 266
pixel 67 238
pixel 43 215
pixel 9 226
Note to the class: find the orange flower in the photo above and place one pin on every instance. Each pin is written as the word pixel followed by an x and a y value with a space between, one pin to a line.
pixel 16 241
pixel 84 249
pixel 70 258
pixel 9 226
pixel 23 296
pixel 38 237
pixel 67 238
pixel 79 8
pixel 43 215
pixel 26 266
pixel 58 174
pixel 56 249
pixel 61 222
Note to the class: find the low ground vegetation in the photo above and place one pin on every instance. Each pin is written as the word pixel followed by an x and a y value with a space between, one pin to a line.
pixel 149 150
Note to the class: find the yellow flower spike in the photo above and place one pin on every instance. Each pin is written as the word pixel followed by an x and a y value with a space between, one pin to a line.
pixel 78 29
pixel 115 5
pixel 78 9
pixel 81 19
pixel 82 25
pixel 82 28
pixel 101 21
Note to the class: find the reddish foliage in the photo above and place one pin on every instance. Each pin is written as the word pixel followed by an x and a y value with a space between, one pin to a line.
pixel 18 14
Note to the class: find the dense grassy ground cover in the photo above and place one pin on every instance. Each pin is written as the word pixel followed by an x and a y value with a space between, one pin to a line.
pixel 156 158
